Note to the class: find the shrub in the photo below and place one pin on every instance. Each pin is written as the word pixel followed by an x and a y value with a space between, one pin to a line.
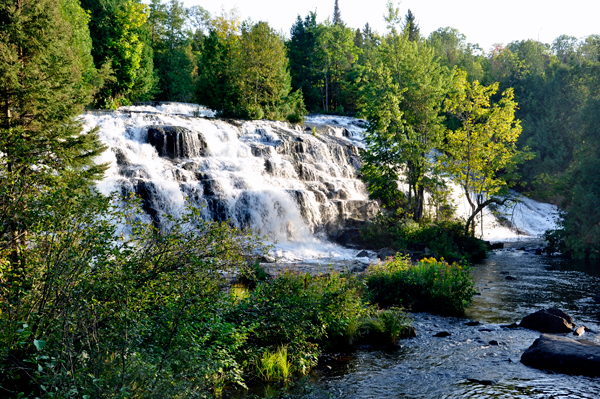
pixel 301 312
pixel 431 285
pixel 445 239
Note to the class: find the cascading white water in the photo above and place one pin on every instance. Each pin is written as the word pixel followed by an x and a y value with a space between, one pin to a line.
pixel 279 180
pixel 291 183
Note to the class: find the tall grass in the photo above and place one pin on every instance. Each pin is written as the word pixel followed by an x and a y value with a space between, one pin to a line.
pixel 274 366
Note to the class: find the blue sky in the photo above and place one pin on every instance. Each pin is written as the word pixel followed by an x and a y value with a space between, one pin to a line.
pixel 483 22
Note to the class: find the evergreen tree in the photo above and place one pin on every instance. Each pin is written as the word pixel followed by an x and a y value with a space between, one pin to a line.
pixel 302 49
pixel 337 15
pixel 43 87
pixel 411 27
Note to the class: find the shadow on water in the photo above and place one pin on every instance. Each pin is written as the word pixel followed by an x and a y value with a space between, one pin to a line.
pixel 480 361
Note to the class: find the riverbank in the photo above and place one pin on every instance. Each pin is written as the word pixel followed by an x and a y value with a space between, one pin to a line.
pixel 467 363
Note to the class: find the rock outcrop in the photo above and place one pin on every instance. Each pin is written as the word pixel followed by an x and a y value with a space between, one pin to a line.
pixel 550 320
pixel 563 355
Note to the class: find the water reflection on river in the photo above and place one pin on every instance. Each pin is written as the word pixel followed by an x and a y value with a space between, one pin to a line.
pixel 465 364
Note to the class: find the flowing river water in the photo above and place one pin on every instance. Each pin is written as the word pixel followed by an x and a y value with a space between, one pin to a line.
pixel 468 363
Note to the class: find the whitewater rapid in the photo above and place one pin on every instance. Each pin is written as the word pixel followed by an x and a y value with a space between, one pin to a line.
pixel 284 181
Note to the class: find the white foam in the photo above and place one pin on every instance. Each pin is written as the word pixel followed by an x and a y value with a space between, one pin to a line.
pixel 269 206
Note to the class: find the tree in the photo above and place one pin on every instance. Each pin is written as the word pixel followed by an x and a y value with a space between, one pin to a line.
pixel 452 50
pixel 337 15
pixel 247 75
pixel 263 81
pixel 43 88
pixel 174 61
pixel 402 99
pixel 481 151
pixel 121 40
pixel 411 27
pixel 302 49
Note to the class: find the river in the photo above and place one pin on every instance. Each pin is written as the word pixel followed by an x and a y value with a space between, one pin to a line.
pixel 468 363
pixel 294 183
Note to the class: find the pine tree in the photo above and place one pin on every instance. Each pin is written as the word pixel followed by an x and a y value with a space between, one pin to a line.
pixel 411 27
pixel 337 15
pixel 42 90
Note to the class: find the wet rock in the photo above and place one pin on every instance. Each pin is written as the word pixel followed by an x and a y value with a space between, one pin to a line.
pixel 362 254
pixel 494 342
pixel 485 330
pixel 550 320
pixel 579 331
pixel 385 253
pixel 472 323
pixel 359 268
pixel 409 332
pixel 482 382
pixel 266 259
pixel 513 325
pixel 496 245
pixel 177 142
pixel 563 355
pixel 442 334
pixel 122 159
pixel 510 278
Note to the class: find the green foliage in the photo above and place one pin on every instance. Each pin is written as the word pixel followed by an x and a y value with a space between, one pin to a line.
pixel 274 366
pixel 385 327
pixel 120 315
pixel 430 285
pixel 483 144
pixel 402 94
pixel 44 82
pixel 246 76
pixel 300 312
pixel 446 239
pixel 322 60
pixel 120 41
pixel 452 50
pixel 174 59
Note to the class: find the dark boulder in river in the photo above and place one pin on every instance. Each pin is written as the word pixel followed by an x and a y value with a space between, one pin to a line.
pixel 548 321
pixel 563 355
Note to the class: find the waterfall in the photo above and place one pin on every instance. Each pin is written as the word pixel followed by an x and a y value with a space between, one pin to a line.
pixel 295 184
pixel 285 181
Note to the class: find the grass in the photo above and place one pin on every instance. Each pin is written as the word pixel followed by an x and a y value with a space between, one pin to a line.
pixel 273 365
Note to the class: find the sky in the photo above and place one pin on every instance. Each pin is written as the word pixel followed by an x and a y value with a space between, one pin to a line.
pixel 483 22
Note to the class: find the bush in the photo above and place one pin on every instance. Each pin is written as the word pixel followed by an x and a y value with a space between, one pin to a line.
pixel 92 312
pixel 302 313
pixel 385 327
pixel 445 239
pixel 430 285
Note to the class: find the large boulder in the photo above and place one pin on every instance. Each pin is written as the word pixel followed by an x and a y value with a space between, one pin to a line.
pixel 563 355
pixel 550 320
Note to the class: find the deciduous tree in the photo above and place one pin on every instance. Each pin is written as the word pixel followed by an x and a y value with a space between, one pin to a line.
pixel 481 151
